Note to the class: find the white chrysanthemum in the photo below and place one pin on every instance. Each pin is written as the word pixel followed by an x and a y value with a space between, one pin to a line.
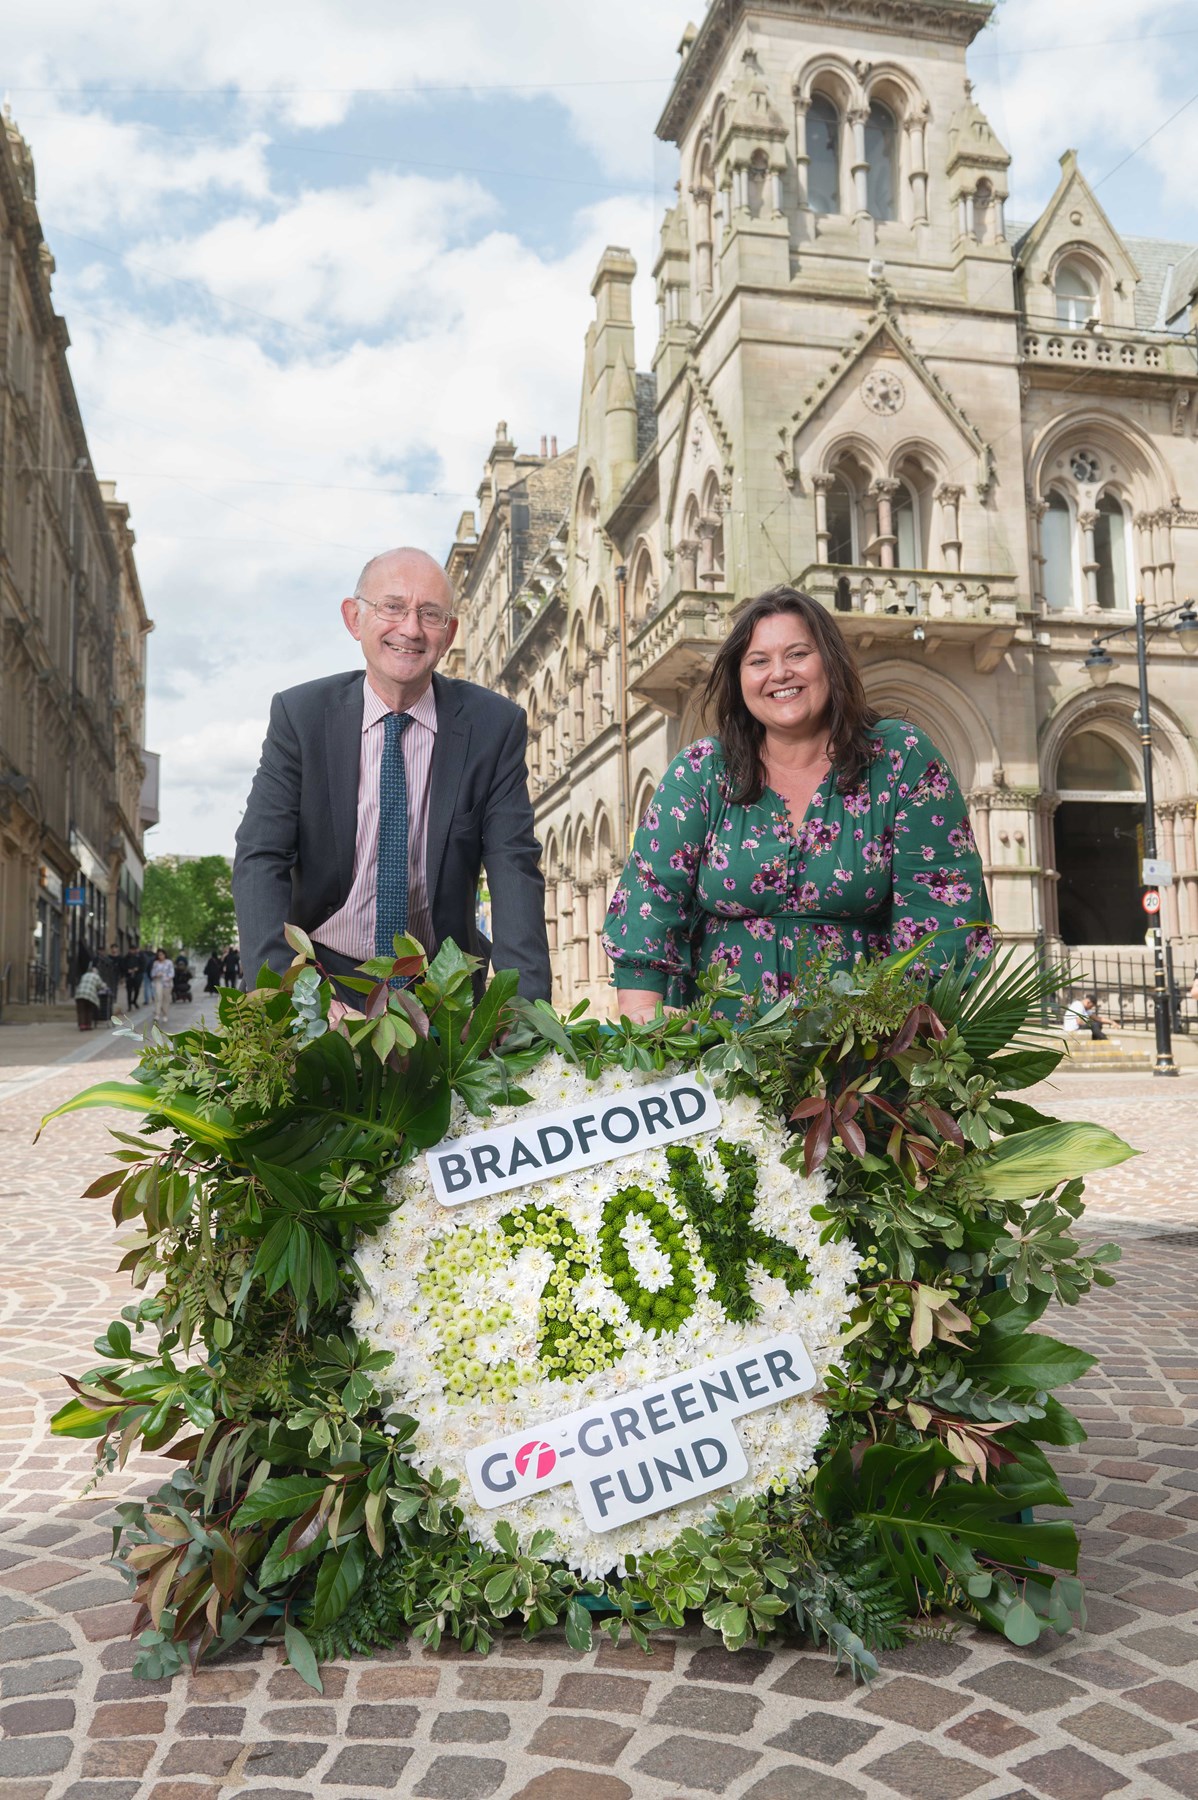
pixel 506 1313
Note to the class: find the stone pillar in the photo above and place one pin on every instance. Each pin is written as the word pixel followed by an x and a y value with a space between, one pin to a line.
pixel 702 198
pixel 950 498
pixel 919 169
pixel 1087 521
pixel 1145 561
pixel 859 166
pixel 688 556
pixel 582 939
pixel 706 561
pixel 1037 511
pixel 776 191
pixel 820 485
pixel 1166 817
pixel 801 157
pixel 885 491
pixel 1000 219
pixel 1163 557
pixel 1188 855
pixel 1050 878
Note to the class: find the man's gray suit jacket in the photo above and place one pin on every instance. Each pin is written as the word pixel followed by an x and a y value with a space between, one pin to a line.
pixel 295 844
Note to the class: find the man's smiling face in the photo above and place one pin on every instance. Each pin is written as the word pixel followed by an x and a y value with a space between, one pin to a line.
pixel 401 654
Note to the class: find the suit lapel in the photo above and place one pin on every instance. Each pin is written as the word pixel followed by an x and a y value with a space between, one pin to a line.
pixel 343 749
pixel 449 760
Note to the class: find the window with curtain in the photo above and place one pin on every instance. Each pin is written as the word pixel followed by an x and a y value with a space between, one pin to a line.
pixel 1076 296
pixel 881 153
pixel 823 155
pixel 1056 545
pixel 1110 553
pixel 842 546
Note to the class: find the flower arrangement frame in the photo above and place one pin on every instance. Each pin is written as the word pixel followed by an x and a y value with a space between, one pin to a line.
pixel 270 1155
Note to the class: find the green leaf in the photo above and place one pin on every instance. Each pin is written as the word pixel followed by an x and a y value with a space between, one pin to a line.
pixel 920 1532
pixel 337 1581
pixel 280 1497
pixel 276 1566
pixel 1024 1068
pixel 213 1126
pixel 302 1657
pixel 1028 1361
pixel 1032 1162
pixel 76 1420
pixel 578 1626
pixel 1021 1626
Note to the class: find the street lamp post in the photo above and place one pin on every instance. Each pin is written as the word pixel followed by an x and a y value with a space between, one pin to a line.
pixel 1098 665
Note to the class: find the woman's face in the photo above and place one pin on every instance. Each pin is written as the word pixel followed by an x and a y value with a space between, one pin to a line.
pixel 782 679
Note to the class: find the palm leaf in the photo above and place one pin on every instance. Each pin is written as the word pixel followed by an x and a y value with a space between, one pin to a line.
pixel 1032 1162
pixel 1000 1001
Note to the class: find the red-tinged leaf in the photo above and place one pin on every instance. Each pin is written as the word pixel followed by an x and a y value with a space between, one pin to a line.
pixel 807 1109
pixel 851 1136
pixel 226 1570
pixel 944 1123
pixel 309 1525
pixel 894 1144
pixel 101 1397
pixel 848 1104
pixel 156 1598
pixel 818 1141
pixel 884 1106
pixel 922 1152
pixel 184 1450
pixel 105 1185
pixel 407 966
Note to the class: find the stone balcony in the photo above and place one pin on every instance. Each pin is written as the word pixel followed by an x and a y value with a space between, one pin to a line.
pixel 933 609
pixel 1117 348
pixel 672 653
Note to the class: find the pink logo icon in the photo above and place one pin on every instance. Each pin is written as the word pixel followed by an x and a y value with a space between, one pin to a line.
pixel 535 1459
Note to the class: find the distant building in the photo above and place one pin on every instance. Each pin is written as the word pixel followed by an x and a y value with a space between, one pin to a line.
pixel 974 441
pixel 72 642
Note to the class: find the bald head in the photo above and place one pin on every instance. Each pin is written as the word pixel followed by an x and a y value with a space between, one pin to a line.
pixel 407 571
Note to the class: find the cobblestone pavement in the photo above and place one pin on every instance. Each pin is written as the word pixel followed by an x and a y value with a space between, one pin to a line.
pixel 1113 1710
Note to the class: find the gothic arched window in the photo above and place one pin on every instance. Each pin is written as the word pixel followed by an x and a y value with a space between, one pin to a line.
pixel 823 155
pixel 1076 295
pixel 1110 553
pixel 1056 545
pixel 881 154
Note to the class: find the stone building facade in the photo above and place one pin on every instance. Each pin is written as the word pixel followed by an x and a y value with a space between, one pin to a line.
pixel 976 441
pixel 72 642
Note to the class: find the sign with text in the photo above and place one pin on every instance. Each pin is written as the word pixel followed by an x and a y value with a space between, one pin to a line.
pixel 639 1453
pixel 1151 901
pixel 595 1130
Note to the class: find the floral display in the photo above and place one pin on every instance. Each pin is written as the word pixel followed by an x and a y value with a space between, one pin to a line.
pixel 321 1346
pixel 506 1313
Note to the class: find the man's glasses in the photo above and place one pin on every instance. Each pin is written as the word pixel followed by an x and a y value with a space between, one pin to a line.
pixel 430 618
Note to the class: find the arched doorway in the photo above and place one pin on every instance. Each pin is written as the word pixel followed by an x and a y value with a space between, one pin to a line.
pixel 1099 837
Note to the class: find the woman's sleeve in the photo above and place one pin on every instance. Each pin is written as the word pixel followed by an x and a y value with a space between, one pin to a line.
pixel 647 933
pixel 937 881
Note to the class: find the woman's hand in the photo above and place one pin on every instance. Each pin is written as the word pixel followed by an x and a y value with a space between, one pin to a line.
pixel 639 1004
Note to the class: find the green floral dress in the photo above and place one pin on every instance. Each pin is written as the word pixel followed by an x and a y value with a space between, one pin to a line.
pixel 866 872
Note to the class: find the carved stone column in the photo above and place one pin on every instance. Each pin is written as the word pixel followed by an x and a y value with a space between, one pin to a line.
pixel 919 167
pixel 1050 879
pixel 885 492
pixel 1145 557
pixel 1167 839
pixel 582 936
pixel 820 485
pixel 688 557
pixel 950 498
pixel 859 167
pixel 706 560
pixel 1036 511
pixel 801 158
pixel 1163 557
pixel 703 230
pixel 1188 854
pixel 1087 521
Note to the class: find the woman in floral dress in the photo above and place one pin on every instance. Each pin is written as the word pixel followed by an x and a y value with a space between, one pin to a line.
pixel 806 829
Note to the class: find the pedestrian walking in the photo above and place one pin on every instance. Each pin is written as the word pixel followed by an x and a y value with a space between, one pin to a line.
pixel 162 975
pixel 232 967
pixel 87 998
pixel 213 970
pixel 147 982
pixel 132 970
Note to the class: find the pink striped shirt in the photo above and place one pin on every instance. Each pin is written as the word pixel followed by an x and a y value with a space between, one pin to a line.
pixel 351 929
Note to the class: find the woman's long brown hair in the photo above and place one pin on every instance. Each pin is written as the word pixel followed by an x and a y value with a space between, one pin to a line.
pixel 741 735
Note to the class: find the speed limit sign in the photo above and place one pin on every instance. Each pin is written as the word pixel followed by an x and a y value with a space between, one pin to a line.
pixel 1152 901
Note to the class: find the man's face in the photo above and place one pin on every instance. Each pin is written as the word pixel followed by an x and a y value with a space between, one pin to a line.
pixel 401 654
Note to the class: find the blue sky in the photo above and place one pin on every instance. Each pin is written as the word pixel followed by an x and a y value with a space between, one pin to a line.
pixel 310 253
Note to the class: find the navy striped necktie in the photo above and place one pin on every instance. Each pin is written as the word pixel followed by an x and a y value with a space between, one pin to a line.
pixel 391 896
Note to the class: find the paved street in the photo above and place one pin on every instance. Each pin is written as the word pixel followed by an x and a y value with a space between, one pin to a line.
pixel 1113 1711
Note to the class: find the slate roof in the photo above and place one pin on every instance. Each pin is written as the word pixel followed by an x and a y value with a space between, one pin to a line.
pixel 1169 273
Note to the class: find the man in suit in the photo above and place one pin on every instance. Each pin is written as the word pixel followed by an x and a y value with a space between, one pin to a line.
pixel 379 798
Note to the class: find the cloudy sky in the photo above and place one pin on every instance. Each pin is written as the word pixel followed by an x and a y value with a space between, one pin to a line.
pixel 309 253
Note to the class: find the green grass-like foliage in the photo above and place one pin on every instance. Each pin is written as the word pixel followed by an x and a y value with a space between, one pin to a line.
pixel 296 1513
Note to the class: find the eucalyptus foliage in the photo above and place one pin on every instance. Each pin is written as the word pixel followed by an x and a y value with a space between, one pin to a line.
pixel 296 1513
